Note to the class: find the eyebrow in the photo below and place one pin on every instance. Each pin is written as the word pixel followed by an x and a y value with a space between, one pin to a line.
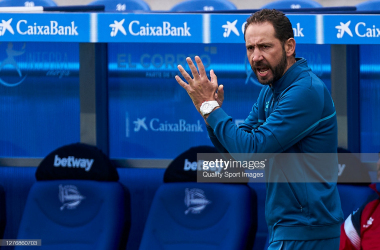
pixel 259 44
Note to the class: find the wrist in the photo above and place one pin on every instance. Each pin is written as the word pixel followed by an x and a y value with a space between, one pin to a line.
pixel 207 107
pixel 207 115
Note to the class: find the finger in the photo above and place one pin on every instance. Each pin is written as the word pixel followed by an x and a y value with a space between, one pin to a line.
pixel 193 69
pixel 201 67
pixel 214 79
pixel 220 95
pixel 184 74
pixel 221 92
pixel 182 83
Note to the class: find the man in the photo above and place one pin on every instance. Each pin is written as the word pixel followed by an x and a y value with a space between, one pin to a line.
pixel 361 228
pixel 294 114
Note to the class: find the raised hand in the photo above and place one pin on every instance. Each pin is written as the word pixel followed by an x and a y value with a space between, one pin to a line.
pixel 199 87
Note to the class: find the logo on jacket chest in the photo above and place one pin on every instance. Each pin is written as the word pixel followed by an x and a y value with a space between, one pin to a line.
pixel 266 106
pixel 369 222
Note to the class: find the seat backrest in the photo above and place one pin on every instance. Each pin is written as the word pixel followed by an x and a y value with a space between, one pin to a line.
pixel 77 202
pixel 74 214
pixel 2 212
pixel 262 228
pixel 369 5
pixel 292 4
pixel 203 5
pixel 122 5
pixel 27 3
pixel 201 216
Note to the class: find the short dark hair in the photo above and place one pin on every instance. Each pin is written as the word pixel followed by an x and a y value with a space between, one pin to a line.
pixel 281 24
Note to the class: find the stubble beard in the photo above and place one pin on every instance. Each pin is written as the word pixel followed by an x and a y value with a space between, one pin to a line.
pixel 277 71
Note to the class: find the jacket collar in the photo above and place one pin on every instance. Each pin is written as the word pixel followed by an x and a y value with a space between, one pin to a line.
pixel 290 75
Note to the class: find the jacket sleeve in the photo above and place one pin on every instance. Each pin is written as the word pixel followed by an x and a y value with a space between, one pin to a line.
pixel 298 112
pixel 349 237
pixel 250 123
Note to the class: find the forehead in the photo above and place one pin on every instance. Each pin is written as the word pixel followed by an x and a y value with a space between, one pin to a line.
pixel 260 32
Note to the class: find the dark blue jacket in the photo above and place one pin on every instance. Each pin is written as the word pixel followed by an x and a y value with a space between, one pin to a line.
pixel 297 116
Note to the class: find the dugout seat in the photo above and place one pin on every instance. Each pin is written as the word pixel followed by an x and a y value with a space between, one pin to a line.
pixel 202 216
pixel 292 4
pixel 76 202
pixel 203 5
pixel 188 215
pixel 27 3
pixel 122 5
pixel 369 5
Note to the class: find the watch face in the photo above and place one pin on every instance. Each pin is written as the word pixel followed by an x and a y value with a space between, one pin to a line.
pixel 206 106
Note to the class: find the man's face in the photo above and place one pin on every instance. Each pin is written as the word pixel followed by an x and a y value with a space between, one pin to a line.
pixel 266 54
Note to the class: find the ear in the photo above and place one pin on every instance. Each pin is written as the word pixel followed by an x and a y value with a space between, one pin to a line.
pixel 290 46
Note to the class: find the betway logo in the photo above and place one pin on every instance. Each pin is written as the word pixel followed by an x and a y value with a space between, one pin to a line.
pixel 72 162
pixel 197 165
pixel 192 165
pixel 361 30
pixel 135 29
pixel 156 125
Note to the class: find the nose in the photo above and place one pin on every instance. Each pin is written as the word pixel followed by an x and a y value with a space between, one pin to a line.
pixel 256 55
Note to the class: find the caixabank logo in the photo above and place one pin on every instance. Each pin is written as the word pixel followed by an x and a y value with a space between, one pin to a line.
pixel 150 28
pixel 40 28
pixel 352 30
pixel 225 28
pixel 158 125
pixel 361 29
pixel 138 28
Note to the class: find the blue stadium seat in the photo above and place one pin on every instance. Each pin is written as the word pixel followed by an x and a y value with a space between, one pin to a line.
pixel 26 3
pixel 77 202
pixel 203 5
pixel 200 216
pixel 292 4
pixel 122 5
pixel 262 227
pixel 2 212
pixel 74 214
pixel 369 5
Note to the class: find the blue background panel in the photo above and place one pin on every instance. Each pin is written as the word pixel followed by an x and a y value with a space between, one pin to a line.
pixel 58 27
pixel 369 88
pixel 351 29
pixel 134 28
pixel 39 97
pixel 149 111
pixel 230 28
pixel 143 95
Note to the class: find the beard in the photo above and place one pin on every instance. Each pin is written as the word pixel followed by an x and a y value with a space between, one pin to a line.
pixel 278 71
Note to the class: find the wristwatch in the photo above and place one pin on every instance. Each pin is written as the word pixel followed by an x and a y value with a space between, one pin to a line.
pixel 208 107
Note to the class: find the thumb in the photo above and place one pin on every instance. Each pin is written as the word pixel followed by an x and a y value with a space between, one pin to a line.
pixel 221 92
pixel 220 95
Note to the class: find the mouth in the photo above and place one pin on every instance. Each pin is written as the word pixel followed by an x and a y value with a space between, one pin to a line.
pixel 262 71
